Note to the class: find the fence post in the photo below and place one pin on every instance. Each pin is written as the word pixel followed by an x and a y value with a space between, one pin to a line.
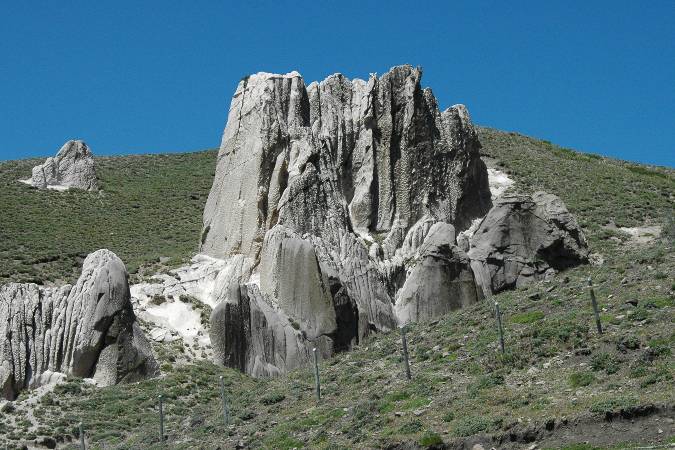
pixel 406 360
pixel 595 306
pixel 499 327
pixel 316 374
pixel 83 445
pixel 161 419
pixel 222 396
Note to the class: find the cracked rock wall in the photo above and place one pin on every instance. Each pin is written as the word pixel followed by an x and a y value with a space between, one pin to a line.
pixel 525 238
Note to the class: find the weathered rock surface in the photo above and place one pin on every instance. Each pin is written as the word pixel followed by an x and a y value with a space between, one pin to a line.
pixel 256 337
pixel 440 279
pixel 308 179
pixel 87 330
pixel 525 238
pixel 290 274
pixel 368 152
pixel 72 167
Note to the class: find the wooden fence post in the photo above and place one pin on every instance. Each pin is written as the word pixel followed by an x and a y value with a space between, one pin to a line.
pixel 406 360
pixel 499 327
pixel 161 419
pixel 595 306
pixel 316 374
pixel 224 400
pixel 83 444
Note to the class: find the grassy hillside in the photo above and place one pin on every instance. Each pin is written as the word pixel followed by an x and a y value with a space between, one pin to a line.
pixel 595 188
pixel 559 384
pixel 150 206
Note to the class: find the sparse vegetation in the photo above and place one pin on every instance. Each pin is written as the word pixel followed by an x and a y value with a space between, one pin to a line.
pixel 556 365
pixel 150 206
pixel 581 379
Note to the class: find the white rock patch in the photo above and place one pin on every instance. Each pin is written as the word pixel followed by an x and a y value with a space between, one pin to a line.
pixel 499 182
pixel 179 317
pixel 205 280
pixel 466 234
pixel 642 235
pixel 53 187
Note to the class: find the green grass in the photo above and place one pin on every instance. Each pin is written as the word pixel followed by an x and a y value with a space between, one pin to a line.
pixel 150 206
pixel 581 379
pixel 528 317
pixel 555 365
pixel 591 186
pixel 613 405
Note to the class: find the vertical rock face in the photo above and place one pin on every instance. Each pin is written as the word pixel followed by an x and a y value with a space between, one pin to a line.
pixel 366 154
pixel 290 273
pixel 88 330
pixel 255 336
pixel 73 166
pixel 525 238
pixel 308 179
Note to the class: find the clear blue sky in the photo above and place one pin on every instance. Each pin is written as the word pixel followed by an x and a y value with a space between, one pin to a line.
pixel 157 76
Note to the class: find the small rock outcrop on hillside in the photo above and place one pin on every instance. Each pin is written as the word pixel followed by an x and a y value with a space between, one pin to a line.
pixel 72 167
pixel 87 330
pixel 330 190
pixel 525 238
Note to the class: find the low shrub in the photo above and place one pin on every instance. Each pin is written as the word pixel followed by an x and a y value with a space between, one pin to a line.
pixel 580 379
pixel 470 425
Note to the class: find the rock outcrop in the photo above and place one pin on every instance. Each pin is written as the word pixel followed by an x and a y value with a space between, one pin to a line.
pixel 255 336
pixel 440 279
pixel 525 238
pixel 322 186
pixel 72 167
pixel 87 330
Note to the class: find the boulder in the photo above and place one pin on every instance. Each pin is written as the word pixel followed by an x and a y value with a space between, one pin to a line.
pixel 524 238
pixel 86 330
pixel 440 279
pixel 72 167
pixel 308 178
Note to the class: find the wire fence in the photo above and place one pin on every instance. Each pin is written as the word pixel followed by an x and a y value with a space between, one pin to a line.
pixel 405 360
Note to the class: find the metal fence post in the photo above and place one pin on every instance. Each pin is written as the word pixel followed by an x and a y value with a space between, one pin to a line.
pixel 595 306
pixel 499 327
pixel 222 396
pixel 161 419
pixel 316 374
pixel 406 360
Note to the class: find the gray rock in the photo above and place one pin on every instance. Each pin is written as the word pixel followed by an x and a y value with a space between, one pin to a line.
pixel 525 238
pixel 291 276
pixel 254 336
pixel 440 279
pixel 72 167
pixel 87 330
pixel 306 175
pixel 363 153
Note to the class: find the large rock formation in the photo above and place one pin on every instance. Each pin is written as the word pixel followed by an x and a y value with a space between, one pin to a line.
pixel 524 238
pixel 72 167
pixel 87 330
pixel 331 189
